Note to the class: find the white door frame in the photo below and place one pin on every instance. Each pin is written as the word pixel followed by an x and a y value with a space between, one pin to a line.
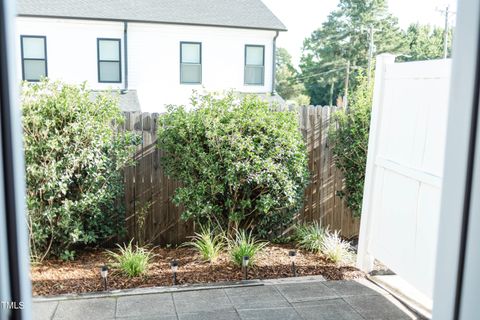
pixel 456 286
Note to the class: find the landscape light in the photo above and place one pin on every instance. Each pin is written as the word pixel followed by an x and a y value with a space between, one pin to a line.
pixel 104 274
pixel 245 262
pixel 174 266
pixel 293 256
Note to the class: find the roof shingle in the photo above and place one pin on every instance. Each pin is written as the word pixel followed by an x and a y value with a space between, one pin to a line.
pixel 227 13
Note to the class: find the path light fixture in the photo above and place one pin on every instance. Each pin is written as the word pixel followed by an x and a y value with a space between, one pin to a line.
pixel 174 266
pixel 245 262
pixel 104 274
pixel 293 256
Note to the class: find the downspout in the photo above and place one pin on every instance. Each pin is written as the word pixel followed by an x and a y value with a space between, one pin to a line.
pixel 274 59
pixel 125 55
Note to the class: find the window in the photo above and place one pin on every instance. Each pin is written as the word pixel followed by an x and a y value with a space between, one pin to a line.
pixel 109 61
pixel 34 57
pixel 254 64
pixel 190 62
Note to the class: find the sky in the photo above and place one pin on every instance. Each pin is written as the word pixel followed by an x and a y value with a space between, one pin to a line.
pixel 303 16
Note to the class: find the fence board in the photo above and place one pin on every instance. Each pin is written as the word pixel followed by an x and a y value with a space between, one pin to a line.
pixel 149 191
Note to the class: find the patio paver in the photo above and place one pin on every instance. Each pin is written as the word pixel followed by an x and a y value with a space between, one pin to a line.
pixel 323 300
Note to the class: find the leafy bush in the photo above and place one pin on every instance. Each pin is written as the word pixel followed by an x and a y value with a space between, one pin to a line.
pixel 73 160
pixel 241 165
pixel 310 236
pixel 207 243
pixel 244 244
pixel 132 262
pixel 349 136
pixel 336 249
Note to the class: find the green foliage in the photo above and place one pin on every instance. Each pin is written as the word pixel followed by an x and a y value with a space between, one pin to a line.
pixel 208 243
pixel 343 38
pixel 336 249
pixel 240 164
pixel 132 262
pixel 426 42
pixel 73 161
pixel 349 138
pixel 244 244
pixel 310 236
pixel 286 83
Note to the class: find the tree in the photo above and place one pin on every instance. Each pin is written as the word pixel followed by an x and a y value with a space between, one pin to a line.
pixel 240 163
pixel 343 39
pixel 425 42
pixel 287 85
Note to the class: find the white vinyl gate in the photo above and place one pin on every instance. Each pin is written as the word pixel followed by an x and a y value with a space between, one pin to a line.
pixel 401 205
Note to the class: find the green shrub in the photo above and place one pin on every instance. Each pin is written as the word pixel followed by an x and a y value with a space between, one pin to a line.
pixel 336 249
pixel 310 236
pixel 207 243
pixel 240 164
pixel 73 160
pixel 349 137
pixel 244 244
pixel 132 262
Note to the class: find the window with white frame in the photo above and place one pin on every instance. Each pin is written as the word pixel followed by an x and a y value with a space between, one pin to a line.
pixel 254 64
pixel 190 62
pixel 109 60
pixel 34 57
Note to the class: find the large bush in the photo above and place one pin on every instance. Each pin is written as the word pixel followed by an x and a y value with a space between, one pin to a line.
pixel 73 159
pixel 240 164
pixel 349 136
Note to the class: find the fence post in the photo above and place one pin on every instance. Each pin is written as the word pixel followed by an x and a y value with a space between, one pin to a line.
pixel 364 259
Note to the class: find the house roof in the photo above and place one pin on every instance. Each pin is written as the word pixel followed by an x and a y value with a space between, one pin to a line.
pixel 251 14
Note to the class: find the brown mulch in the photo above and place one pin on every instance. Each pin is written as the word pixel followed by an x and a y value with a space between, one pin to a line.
pixel 83 275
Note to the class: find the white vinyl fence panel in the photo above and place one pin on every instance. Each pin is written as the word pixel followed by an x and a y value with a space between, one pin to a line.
pixel 401 205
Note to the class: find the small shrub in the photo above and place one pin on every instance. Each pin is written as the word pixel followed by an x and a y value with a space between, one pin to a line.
pixel 336 249
pixel 132 262
pixel 244 244
pixel 310 236
pixel 207 243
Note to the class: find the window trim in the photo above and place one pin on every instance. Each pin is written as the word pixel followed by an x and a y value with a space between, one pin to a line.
pixel 23 36
pixel 119 59
pixel 245 65
pixel 182 63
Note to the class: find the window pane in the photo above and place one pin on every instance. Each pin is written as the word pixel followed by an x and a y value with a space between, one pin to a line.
pixel 191 73
pixel 110 71
pixel 254 56
pixel 34 69
pixel 190 53
pixel 33 48
pixel 254 75
pixel 109 50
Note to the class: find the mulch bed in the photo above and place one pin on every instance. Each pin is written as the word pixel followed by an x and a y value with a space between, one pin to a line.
pixel 83 275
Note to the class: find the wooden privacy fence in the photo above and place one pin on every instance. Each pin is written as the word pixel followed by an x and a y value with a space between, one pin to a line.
pixel 152 217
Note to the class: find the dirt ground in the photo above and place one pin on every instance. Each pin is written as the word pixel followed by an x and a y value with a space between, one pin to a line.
pixel 83 275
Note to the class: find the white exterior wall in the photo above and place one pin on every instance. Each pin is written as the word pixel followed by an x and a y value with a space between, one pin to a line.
pixel 153 56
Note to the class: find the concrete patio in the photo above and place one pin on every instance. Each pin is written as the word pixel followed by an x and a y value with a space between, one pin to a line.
pixel 276 299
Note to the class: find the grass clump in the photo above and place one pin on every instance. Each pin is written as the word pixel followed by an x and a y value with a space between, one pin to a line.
pixel 310 236
pixel 244 244
pixel 336 249
pixel 132 261
pixel 207 243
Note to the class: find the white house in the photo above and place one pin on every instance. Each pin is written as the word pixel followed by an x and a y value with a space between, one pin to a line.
pixel 158 50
